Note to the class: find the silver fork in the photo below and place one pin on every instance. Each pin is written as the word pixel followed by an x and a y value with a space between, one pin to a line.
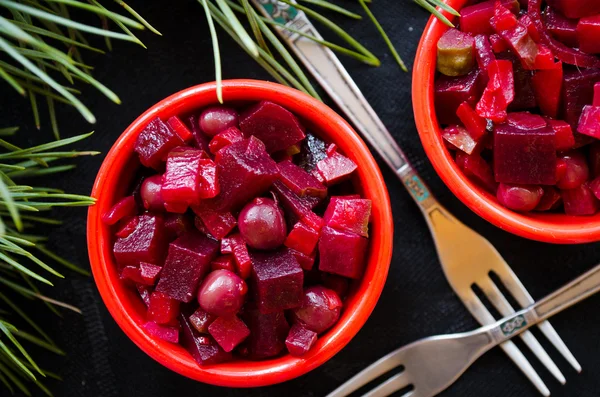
pixel 476 257
pixel 432 364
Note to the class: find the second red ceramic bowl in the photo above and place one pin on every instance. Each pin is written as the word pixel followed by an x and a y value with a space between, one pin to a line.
pixel 115 177
pixel 548 227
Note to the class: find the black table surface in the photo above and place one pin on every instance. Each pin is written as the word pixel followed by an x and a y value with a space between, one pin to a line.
pixel 416 302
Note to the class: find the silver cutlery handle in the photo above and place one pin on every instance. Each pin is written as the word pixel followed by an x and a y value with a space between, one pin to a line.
pixel 324 65
pixel 577 290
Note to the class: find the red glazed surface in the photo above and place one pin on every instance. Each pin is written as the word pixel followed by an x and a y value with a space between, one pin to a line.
pixel 124 303
pixel 547 227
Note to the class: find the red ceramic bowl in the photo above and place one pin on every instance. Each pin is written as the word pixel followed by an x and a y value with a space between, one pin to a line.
pixel 548 227
pixel 126 307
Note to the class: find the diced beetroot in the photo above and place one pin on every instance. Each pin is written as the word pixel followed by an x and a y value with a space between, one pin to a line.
pixel 299 181
pixel 595 187
pixel 475 125
pixel 125 207
pixel 336 168
pixel 228 332
pixel 178 224
pixel 208 181
pixel 594 157
pixel 521 44
pixel 450 92
pixel 575 170
pixel 577 91
pixel 126 226
pixel 547 86
pixel 225 138
pixel 483 51
pixel 350 215
pixel 588 34
pixel 200 320
pixel 338 284
pixel 215 119
pixel 576 8
pixel 303 238
pixel 561 28
pixel 187 262
pixel 277 127
pixel 203 348
pixel 145 274
pixel 218 224
pixel 580 201
pixel 499 45
pixel 147 243
pixel 589 122
pixel 164 332
pixel 519 197
pixel 526 21
pixel 549 200
pixel 311 152
pixel 526 121
pixel 563 134
pixel 503 18
pixel 200 139
pixel 277 280
pixel 499 92
pixel 459 138
pixel 476 18
pixel 225 262
pixel 245 171
pixel 544 58
pixel 306 261
pixel 236 245
pixel 145 292
pixel 181 180
pixel 267 332
pixel 596 101
pixel 300 340
pixel 180 128
pixel 524 156
pixel 297 208
pixel 524 97
pixel 455 53
pixel 342 253
pixel 478 170
pixel 155 142
pixel 320 309
pixel 162 309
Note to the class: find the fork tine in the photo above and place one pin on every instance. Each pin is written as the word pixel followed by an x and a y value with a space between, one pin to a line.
pixel 522 296
pixel 373 371
pixel 504 307
pixel 393 384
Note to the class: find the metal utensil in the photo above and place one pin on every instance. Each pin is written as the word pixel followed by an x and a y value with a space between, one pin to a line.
pixel 432 364
pixel 466 257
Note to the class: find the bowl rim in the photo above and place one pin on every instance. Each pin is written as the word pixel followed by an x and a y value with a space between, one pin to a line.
pixel 550 228
pixel 242 373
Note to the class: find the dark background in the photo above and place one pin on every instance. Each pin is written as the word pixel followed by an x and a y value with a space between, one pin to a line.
pixel 416 302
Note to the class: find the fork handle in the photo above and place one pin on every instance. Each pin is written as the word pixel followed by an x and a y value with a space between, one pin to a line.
pixel 577 290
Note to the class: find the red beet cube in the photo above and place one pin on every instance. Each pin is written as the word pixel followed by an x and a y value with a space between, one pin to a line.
pixel 577 91
pixel 155 142
pixel 580 201
pixel 342 253
pixel 187 262
pixel 523 156
pixel 478 170
pixel 547 85
pixel 563 134
pixel 267 332
pixel 127 225
pixel 503 18
pixel 299 181
pixel 475 125
pixel 164 332
pixel 201 320
pixel 236 245
pixel 180 128
pixel 228 332
pixel 200 139
pixel 203 348
pixel 302 238
pixel 562 28
pixel 277 280
pixel 336 168
pixel 300 340
pixel 208 181
pixel 162 309
pixel 225 138
pixel 125 207
pixel 521 44
pixel 595 187
pixel 450 92
pixel 524 97
pixel 181 180
pixel 297 208
pixel 218 224
pixel 588 34
pixel 145 292
pixel 147 243
pixel 145 274
pixel 476 18
pixel 589 122
pixel 483 51
pixel 499 92
pixel 306 261
pixel 276 126
pixel 550 199
pixel 225 262
pixel 178 224
pixel 576 8
pixel 351 215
